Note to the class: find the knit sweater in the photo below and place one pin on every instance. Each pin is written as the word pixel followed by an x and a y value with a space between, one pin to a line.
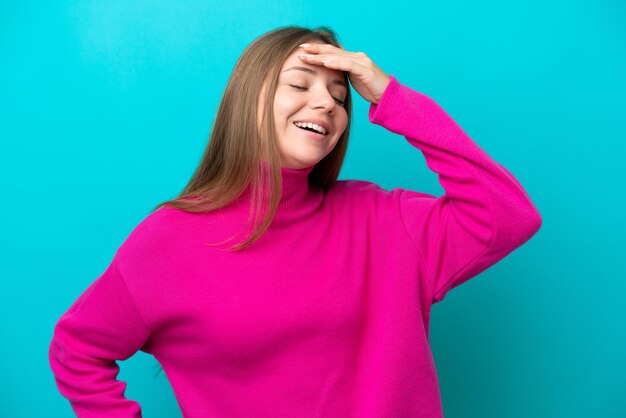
pixel 326 315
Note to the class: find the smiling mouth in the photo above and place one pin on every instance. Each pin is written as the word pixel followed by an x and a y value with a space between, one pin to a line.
pixel 310 130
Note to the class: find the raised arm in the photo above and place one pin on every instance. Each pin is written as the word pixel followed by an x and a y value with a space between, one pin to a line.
pixel 485 212
pixel 101 327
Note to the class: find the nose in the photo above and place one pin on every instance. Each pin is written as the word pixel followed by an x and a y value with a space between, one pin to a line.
pixel 322 99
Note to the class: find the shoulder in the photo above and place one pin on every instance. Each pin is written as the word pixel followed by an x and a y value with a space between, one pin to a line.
pixel 359 190
pixel 153 234
pixel 360 196
pixel 159 222
pixel 356 187
pixel 367 192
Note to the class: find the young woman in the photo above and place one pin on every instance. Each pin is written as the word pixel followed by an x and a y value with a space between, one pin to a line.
pixel 321 307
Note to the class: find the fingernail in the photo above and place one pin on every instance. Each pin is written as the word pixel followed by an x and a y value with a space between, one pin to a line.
pixel 304 45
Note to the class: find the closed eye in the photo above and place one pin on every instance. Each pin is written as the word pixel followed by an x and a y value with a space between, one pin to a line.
pixel 304 88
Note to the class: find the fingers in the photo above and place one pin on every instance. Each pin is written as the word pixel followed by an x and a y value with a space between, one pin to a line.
pixel 318 53
pixel 357 64
pixel 313 47
pixel 336 62
pixel 327 50
pixel 320 59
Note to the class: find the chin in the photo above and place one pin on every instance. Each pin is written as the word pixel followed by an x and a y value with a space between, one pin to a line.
pixel 301 160
pixel 299 166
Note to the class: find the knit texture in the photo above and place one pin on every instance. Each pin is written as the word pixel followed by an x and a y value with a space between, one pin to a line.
pixel 326 315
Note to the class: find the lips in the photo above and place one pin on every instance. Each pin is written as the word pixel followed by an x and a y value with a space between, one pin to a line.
pixel 312 134
pixel 307 129
pixel 319 122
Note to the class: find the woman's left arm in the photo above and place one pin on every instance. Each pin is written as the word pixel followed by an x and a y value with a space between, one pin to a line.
pixel 485 212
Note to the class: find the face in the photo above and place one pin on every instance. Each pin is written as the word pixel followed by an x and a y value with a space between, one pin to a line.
pixel 308 93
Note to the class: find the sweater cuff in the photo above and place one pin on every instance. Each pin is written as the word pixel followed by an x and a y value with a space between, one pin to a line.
pixel 377 111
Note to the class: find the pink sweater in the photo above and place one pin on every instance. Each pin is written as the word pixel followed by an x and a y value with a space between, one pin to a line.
pixel 326 315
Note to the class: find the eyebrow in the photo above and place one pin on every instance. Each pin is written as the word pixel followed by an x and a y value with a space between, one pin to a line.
pixel 311 71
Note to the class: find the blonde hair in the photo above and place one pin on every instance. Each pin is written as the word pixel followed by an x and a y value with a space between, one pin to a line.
pixel 235 155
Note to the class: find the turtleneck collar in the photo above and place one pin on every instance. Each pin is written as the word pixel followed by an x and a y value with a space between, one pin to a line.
pixel 298 200
pixel 296 189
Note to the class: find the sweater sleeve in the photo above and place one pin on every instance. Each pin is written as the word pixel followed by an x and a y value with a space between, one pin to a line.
pixel 485 212
pixel 102 326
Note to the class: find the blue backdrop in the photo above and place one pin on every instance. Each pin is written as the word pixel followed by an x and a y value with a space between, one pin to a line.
pixel 106 107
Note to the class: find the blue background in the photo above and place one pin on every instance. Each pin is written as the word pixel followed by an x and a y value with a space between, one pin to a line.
pixel 106 108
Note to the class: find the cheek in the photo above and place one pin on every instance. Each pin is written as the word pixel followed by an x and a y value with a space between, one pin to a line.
pixel 341 127
pixel 284 107
pixel 342 123
pixel 281 117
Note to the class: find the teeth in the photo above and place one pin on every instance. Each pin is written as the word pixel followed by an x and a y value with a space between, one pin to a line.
pixel 318 128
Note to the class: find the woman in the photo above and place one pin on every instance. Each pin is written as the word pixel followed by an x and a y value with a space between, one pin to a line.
pixel 322 307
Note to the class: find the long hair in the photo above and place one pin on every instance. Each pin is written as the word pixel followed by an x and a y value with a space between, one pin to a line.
pixel 243 151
